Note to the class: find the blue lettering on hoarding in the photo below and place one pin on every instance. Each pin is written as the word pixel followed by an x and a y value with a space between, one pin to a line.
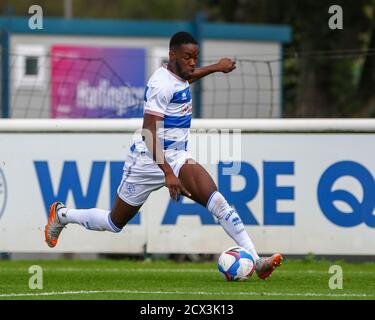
pixel 272 193
pixel 239 199
pixel 361 211
pixel 70 182
pixel 116 169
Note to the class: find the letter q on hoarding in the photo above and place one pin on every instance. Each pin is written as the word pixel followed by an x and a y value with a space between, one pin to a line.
pixel 362 211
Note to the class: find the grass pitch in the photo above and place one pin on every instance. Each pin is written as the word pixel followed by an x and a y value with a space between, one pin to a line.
pixel 159 280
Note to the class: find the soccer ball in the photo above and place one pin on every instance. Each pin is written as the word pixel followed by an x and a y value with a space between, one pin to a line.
pixel 236 264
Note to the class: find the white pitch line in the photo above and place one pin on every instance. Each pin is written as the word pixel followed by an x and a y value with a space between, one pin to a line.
pixel 200 293
pixel 113 270
pixel 170 270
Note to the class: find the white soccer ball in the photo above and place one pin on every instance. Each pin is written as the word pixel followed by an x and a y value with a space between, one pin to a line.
pixel 236 264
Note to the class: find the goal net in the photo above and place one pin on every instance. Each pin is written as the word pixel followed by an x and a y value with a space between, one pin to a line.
pixel 59 85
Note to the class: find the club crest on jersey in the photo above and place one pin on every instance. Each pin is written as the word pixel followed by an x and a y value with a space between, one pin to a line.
pixel 130 188
pixel 3 192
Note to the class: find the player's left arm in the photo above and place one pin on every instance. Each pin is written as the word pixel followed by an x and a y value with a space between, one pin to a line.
pixel 224 65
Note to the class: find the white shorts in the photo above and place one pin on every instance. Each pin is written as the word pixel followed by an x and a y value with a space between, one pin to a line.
pixel 142 175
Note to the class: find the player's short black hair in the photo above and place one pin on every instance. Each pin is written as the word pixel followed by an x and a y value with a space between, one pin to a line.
pixel 180 38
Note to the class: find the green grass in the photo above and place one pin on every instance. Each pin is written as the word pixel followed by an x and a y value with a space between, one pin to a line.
pixel 154 280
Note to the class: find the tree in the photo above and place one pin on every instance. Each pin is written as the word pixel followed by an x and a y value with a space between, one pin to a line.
pixel 365 94
pixel 326 73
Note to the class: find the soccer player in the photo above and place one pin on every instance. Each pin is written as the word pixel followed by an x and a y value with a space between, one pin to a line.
pixel 160 158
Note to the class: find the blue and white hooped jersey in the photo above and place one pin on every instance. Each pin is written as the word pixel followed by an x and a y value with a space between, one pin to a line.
pixel 168 96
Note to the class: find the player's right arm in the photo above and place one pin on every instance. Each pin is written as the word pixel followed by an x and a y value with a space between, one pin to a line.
pixel 151 123
pixel 224 65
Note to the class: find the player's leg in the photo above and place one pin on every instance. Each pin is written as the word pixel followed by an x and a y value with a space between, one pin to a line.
pixel 129 199
pixel 92 219
pixel 123 212
pixel 99 219
pixel 204 191
pixel 197 181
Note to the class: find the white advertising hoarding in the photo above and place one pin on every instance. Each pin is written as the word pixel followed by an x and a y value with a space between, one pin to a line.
pixel 296 192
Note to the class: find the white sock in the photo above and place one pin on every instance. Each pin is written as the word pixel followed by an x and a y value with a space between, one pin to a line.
pixel 91 219
pixel 231 222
